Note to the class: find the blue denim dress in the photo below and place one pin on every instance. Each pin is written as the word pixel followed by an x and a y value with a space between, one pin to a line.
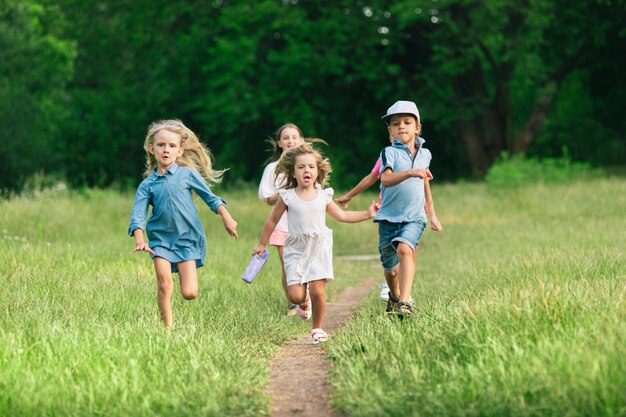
pixel 174 229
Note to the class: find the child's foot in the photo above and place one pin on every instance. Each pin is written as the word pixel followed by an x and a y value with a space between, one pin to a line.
pixel 392 305
pixel 304 313
pixel 292 310
pixel 384 291
pixel 404 310
pixel 318 335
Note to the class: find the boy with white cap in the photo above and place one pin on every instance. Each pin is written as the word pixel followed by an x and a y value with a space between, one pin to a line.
pixel 406 203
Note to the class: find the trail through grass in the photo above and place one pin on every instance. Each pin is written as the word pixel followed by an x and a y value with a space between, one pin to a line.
pixel 520 311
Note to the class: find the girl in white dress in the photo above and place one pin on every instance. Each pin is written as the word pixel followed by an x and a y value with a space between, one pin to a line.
pixel 308 248
pixel 287 136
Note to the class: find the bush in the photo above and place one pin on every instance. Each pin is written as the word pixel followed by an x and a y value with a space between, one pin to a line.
pixel 40 184
pixel 516 171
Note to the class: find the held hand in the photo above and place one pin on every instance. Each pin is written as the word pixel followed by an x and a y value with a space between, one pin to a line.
pixel 373 209
pixel 258 250
pixel 422 173
pixel 271 200
pixel 143 247
pixel 343 201
pixel 435 224
pixel 429 175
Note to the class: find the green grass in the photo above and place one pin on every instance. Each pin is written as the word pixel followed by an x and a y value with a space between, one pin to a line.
pixel 519 311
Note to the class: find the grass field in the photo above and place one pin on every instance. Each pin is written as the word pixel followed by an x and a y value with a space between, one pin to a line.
pixel 520 308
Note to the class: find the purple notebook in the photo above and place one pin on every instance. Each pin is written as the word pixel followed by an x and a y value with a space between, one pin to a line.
pixel 254 267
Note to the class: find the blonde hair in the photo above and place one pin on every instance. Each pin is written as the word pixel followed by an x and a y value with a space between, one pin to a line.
pixel 277 151
pixel 195 155
pixel 287 165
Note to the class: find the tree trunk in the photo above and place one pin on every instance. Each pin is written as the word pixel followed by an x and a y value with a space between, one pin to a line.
pixel 484 138
pixel 473 142
pixel 487 132
pixel 537 118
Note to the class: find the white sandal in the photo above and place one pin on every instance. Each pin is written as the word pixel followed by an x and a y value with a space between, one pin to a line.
pixel 318 335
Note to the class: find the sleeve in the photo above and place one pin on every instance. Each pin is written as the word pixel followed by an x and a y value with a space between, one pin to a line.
pixel 140 208
pixel 376 169
pixel 284 194
pixel 328 194
pixel 387 159
pixel 197 183
pixel 266 186
pixel 430 157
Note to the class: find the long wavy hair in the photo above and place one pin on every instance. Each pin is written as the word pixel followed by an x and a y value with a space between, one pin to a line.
pixel 277 151
pixel 195 155
pixel 287 166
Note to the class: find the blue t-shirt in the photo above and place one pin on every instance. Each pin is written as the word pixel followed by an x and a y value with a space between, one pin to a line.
pixel 174 229
pixel 404 202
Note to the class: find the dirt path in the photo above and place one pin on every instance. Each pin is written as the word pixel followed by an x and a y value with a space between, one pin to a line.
pixel 305 362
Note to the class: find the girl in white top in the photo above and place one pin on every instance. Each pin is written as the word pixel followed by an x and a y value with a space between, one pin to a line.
pixel 288 136
pixel 309 244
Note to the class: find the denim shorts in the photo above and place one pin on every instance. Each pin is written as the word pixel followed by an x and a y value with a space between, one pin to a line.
pixel 391 234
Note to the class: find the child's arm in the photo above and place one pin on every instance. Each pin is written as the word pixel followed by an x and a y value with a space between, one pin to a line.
pixel 271 200
pixel 389 178
pixel 351 216
pixel 138 218
pixel 270 225
pixel 215 203
pixel 267 190
pixel 429 206
pixel 363 185
pixel 229 223
pixel 140 244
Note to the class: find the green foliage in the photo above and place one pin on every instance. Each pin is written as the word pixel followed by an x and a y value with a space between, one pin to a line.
pixel 488 71
pixel 518 171
pixel 36 62
pixel 586 120
pixel 81 80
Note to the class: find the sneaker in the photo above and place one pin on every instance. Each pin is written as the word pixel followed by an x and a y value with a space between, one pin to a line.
pixel 392 305
pixel 384 291
pixel 292 311
pixel 404 310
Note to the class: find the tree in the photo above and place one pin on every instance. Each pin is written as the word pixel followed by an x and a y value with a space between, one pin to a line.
pixel 492 69
pixel 36 62
pixel 273 62
pixel 484 75
pixel 138 61
pixel 232 71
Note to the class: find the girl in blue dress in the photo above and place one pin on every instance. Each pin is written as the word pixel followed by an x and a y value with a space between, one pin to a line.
pixel 176 164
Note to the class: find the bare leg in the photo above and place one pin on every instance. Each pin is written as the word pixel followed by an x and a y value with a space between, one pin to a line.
pixel 163 270
pixel 188 279
pixel 392 282
pixel 297 293
pixel 317 291
pixel 406 271
pixel 306 304
pixel 282 269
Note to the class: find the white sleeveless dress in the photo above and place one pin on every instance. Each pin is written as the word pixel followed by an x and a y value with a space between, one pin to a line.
pixel 308 251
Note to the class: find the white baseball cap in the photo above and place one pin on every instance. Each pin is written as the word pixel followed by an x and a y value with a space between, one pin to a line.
pixel 402 107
